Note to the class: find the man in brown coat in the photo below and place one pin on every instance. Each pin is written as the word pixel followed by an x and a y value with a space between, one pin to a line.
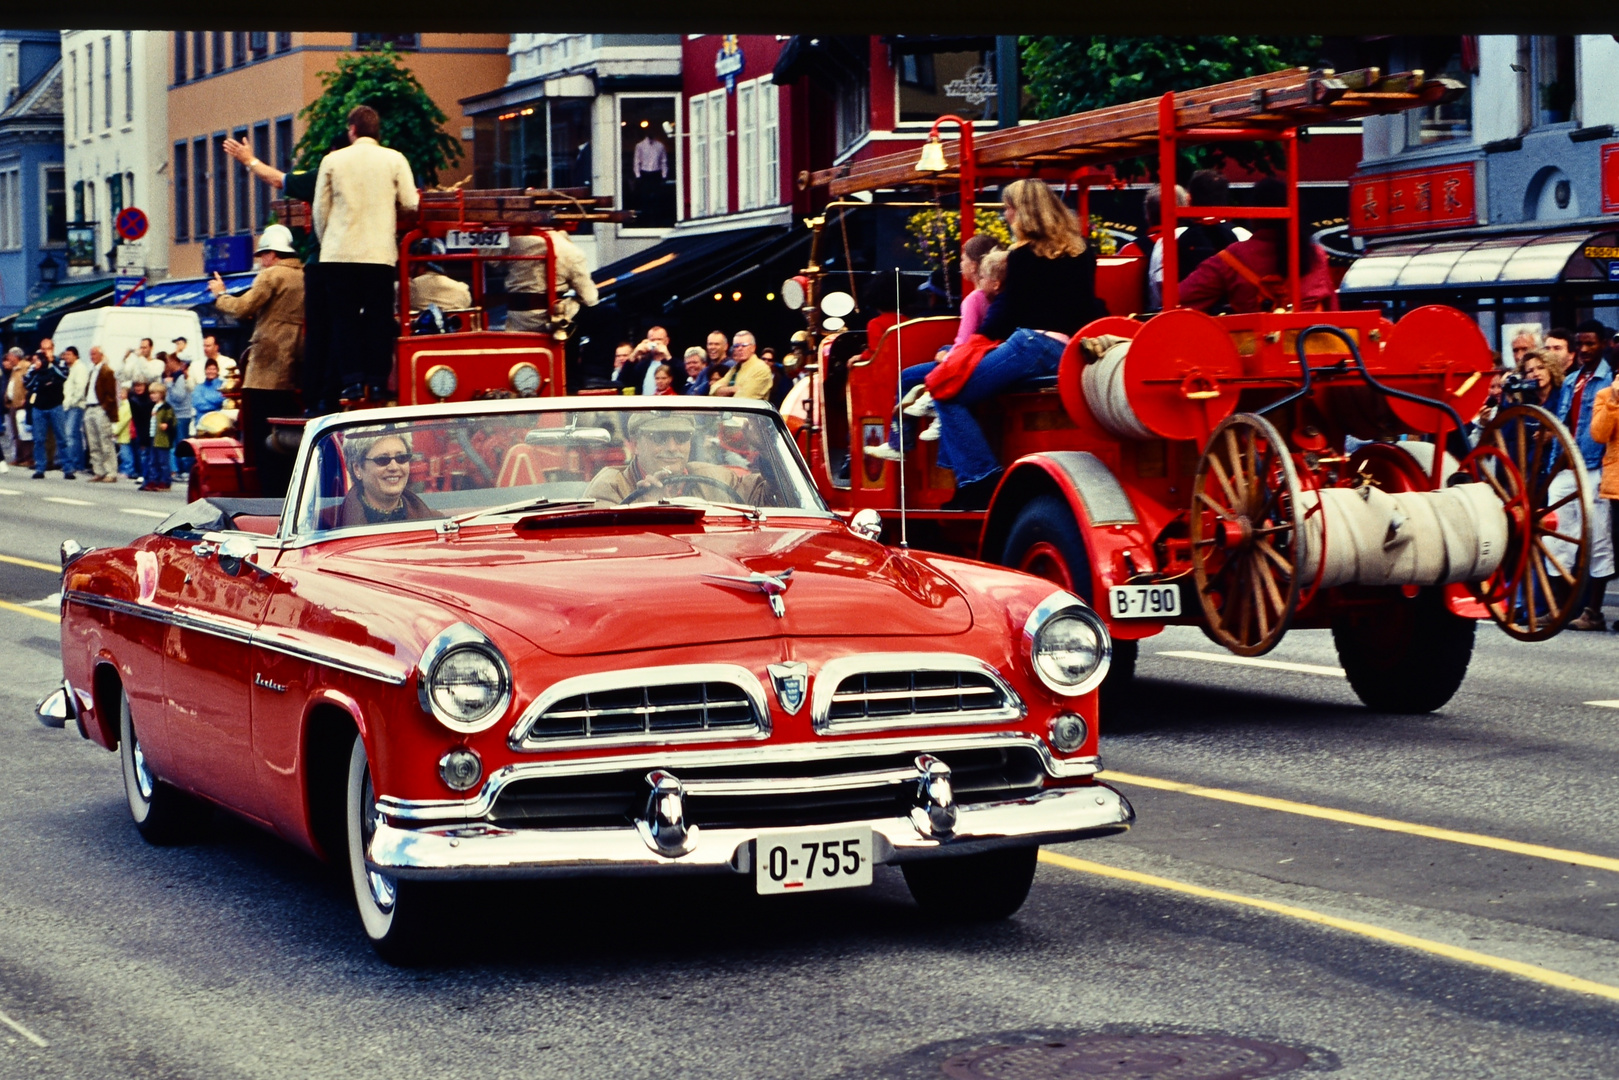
pixel 100 417
pixel 276 303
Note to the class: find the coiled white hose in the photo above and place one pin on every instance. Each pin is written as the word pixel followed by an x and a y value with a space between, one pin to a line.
pixel 1373 537
pixel 1109 400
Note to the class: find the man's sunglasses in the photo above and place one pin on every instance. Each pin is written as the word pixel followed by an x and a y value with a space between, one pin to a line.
pixel 675 437
pixel 382 461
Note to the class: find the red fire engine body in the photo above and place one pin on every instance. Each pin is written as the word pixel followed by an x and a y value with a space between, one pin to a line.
pixel 1184 468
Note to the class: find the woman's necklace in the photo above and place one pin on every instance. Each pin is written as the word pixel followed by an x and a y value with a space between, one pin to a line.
pixel 366 499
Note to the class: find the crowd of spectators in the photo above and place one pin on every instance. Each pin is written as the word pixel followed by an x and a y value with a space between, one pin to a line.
pixel 721 367
pixel 109 419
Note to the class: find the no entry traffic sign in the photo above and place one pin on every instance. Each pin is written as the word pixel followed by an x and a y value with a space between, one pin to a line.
pixel 131 223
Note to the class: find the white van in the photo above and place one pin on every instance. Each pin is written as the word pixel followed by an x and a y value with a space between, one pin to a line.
pixel 120 329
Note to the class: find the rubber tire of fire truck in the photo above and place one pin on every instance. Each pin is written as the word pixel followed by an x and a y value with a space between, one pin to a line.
pixel 1409 656
pixel 985 887
pixel 1046 519
pixel 402 931
pixel 163 814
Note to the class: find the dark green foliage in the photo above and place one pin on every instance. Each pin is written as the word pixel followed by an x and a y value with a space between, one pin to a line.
pixel 1066 75
pixel 411 121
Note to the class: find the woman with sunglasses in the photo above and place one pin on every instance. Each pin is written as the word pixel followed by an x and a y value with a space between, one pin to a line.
pixel 380 468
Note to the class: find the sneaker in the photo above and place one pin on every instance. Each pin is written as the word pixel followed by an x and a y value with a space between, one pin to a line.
pixel 70 476
pixel 922 406
pixel 931 434
pixel 39 476
pixel 884 453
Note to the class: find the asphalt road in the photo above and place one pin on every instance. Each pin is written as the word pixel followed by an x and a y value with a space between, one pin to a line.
pixel 1466 925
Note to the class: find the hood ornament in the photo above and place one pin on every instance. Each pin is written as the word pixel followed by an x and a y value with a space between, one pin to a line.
pixel 772 585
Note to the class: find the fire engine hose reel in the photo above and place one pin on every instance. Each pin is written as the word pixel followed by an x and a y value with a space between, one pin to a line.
pixel 1373 537
pixel 1174 379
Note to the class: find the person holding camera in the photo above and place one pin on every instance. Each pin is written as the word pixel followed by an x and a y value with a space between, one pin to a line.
pixel 45 383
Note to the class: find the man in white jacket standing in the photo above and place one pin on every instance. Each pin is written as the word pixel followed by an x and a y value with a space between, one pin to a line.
pixel 356 195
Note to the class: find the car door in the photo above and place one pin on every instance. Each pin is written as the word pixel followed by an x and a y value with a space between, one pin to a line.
pixel 217 603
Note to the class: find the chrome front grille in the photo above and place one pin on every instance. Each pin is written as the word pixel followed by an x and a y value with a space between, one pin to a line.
pixel 694 701
pixel 887 690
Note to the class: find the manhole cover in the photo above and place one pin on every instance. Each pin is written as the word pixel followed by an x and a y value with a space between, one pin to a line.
pixel 1129 1057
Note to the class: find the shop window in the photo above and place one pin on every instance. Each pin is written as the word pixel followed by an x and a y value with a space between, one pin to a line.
pixel 646 127
pixel 570 143
pixel 55 198
pixel 932 84
pixel 542 145
pixel 402 42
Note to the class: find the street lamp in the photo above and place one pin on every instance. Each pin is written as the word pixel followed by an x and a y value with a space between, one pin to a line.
pixel 48 271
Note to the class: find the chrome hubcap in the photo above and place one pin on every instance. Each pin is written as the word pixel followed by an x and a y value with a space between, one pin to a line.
pixel 383 890
pixel 143 775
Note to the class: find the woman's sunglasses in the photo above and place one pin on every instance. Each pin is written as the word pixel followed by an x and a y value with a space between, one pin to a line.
pixel 382 461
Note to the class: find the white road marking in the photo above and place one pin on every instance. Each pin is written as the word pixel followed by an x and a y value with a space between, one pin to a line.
pixel 24 1032
pixel 143 513
pixel 1250 661
pixel 1610 704
pixel 66 501
pixel 53 601
pixel 9 491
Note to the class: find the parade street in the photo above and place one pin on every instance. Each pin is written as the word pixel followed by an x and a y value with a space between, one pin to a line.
pixel 1389 896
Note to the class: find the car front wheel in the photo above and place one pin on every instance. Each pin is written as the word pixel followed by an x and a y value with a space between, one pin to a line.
pixel 985 887
pixel 393 912
pixel 163 814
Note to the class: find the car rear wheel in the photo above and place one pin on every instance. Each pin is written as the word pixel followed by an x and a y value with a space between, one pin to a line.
pixel 163 814
pixel 985 887
pixel 395 913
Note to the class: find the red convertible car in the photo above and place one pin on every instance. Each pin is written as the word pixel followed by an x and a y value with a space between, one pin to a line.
pixel 585 636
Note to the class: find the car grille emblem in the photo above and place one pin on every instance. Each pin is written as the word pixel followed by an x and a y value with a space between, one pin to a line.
pixel 772 585
pixel 792 684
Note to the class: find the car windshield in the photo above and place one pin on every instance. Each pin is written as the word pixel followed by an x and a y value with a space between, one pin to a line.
pixel 436 468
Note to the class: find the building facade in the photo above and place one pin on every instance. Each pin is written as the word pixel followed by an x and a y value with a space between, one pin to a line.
pixel 252 86
pixel 114 101
pixel 33 218
pixel 598 112
pixel 1504 202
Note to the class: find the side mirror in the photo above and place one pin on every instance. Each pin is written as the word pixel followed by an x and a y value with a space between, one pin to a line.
pixel 868 523
pixel 236 552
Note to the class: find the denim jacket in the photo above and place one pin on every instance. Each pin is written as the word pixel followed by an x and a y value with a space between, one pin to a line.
pixel 1580 426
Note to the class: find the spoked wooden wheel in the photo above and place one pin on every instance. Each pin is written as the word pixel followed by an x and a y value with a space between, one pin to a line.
pixel 1531 463
pixel 1247 535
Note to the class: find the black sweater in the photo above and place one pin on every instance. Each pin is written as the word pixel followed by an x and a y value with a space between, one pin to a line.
pixel 1044 294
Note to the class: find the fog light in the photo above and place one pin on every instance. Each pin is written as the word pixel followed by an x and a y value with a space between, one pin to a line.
pixel 1069 732
pixel 460 769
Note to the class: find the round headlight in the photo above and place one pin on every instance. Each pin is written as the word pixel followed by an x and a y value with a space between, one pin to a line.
pixel 1069 646
pixel 463 680
pixel 525 379
pixel 441 381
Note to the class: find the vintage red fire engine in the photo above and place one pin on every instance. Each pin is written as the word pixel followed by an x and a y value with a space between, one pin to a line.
pixel 644 645
pixel 1245 473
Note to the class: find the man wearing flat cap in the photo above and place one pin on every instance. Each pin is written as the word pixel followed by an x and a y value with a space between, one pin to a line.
pixel 661 467
pixel 276 304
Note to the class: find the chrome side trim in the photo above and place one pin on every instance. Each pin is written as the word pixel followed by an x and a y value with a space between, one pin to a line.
pixel 480 805
pixel 242 634
pixel 630 678
pixel 455 852
pixel 834 672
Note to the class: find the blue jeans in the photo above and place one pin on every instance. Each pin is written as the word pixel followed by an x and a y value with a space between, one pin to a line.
pixel 126 459
pixel 53 420
pixel 78 452
pixel 1027 354
pixel 182 431
pixel 157 465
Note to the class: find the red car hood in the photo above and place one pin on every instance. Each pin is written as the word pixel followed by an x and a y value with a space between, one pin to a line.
pixel 592 590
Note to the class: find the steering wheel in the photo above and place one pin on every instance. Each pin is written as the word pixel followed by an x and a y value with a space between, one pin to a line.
pixel 685 480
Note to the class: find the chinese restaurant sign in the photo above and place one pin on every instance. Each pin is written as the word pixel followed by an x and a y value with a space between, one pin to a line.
pixel 1610 178
pixel 1417 199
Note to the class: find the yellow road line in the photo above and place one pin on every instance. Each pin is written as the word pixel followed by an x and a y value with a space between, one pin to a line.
pixel 1546 976
pixel 1349 817
pixel 31 563
pixel 49 616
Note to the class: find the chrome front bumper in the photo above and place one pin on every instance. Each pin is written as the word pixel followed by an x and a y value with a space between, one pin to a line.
pixel 481 850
